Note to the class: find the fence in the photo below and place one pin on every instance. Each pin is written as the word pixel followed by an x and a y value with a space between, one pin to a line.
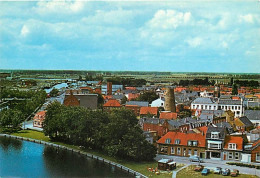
pixel 124 168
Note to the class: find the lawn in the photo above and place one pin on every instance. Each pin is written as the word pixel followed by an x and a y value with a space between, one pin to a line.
pixel 186 172
pixel 141 167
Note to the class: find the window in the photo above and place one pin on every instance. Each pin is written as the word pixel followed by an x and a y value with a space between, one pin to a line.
pixel 177 141
pixel 206 106
pixel 225 107
pixel 189 143
pixel 196 152
pixel 189 152
pixel 235 107
pixel 209 107
pixel 238 112
pixel 195 143
pixel 214 146
pixel 164 149
pixel 168 141
pixel 184 151
pixel 172 150
pixel 257 156
pixel 237 156
pixel 232 146
pixel 178 151
pixel 194 106
pixel 232 107
pixel 230 155
pixel 215 135
pixel 214 107
pixel 238 107
pixel 201 106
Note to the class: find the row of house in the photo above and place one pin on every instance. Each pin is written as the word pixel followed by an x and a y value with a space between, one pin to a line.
pixel 210 142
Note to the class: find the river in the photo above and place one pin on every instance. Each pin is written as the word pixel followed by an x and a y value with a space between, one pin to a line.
pixel 27 159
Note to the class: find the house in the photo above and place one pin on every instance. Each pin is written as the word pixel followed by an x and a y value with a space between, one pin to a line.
pixel 150 111
pixel 233 147
pixel 243 124
pixel 154 124
pixel 253 116
pixel 255 151
pixel 168 115
pixel 39 119
pixel 81 99
pixel 215 138
pixel 182 144
pixel 204 103
pixel 71 100
pixel 235 106
pixel 111 104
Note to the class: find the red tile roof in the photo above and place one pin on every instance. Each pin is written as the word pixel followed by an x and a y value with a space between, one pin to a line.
pixel 168 115
pixel 71 100
pixel 256 142
pixel 151 110
pixel 41 113
pixel 234 139
pixel 203 129
pixel 112 103
pixel 184 138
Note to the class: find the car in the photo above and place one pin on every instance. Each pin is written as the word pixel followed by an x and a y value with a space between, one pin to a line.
pixel 205 171
pixel 198 168
pixel 234 173
pixel 195 159
pixel 217 170
pixel 225 172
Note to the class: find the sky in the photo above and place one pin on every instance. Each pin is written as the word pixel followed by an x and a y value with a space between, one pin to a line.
pixel 176 36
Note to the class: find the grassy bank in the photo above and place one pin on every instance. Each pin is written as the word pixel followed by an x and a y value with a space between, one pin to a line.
pixel 189 172
pixel 141 167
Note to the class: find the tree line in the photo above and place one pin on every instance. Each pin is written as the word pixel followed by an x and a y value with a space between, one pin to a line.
pixel 127 81
pixel 196 82
pixel 116 134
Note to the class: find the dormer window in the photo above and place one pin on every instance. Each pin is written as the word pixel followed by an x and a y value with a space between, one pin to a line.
pixel 177 141
pixel 168 141
pixel 232 146
pixel 214 135
pixel 192 143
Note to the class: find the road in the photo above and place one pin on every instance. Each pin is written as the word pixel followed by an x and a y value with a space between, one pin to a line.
pixel 211 164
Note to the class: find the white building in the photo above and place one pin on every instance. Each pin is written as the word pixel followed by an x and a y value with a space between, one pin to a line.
pixel 208 103
pixel 158 102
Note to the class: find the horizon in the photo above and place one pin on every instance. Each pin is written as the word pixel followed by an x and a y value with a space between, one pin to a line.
pixel 148 36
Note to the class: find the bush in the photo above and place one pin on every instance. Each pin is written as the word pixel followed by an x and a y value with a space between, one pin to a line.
pixel 244 165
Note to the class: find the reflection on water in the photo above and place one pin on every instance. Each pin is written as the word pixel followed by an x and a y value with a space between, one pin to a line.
pixel 8 143
pixel 78 165
pixel 27 159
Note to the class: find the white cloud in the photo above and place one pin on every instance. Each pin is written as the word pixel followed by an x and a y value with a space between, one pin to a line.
pixel 169 19
pixel 25 31
pixel 194 42
pixel 59 6
pixel 246 18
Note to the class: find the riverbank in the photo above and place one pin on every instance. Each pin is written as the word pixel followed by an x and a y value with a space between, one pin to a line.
pixel 140 167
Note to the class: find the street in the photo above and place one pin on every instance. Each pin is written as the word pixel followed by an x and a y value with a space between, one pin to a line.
pixel 211 164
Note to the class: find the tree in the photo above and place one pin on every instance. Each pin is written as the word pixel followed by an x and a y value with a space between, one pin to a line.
pixel 11 119
pixel 54 92
pixel 124 100
pixel 231 81
pixel 234 89
pixel 148 96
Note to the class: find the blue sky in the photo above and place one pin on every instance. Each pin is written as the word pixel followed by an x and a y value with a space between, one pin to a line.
pixel 178 36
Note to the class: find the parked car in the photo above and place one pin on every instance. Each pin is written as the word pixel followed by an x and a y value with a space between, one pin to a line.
pixel 205 171
pixel 225 172
pixel 195 159
pixel 217 170
pixel 198 168
pixel 234 173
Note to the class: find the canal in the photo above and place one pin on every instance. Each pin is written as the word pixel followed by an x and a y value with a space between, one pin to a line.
pixel 27 159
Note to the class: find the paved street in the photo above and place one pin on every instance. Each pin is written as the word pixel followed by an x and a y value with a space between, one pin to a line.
pixel 211 164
